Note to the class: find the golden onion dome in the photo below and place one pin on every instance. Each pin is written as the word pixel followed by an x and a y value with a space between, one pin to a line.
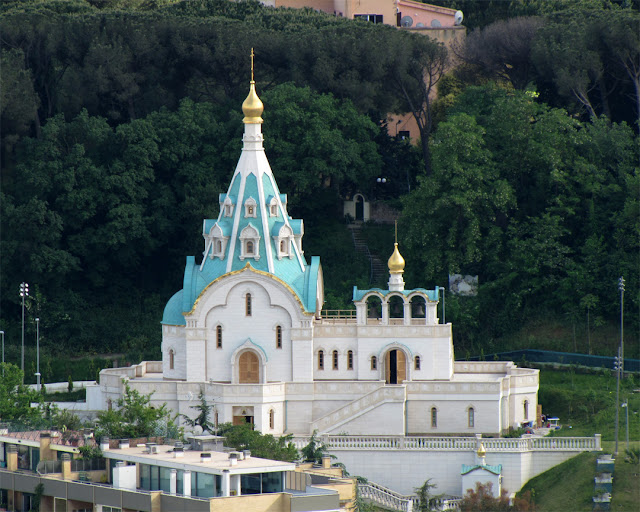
pixel 481 451
pixel 396 261
pixel 252 107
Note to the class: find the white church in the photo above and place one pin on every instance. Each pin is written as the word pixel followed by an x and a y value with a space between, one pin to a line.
pixel 247 329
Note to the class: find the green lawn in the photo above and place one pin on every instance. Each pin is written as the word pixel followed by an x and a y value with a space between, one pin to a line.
pixel 626 479
pixel 586 402
pixel 570 486
pixel 565 487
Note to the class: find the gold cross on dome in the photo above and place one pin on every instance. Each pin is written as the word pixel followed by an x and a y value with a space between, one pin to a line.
pixel 252 55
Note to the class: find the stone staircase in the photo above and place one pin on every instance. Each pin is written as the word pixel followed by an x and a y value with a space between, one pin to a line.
pixel 362 405
pixel 386 498
pixel 378 269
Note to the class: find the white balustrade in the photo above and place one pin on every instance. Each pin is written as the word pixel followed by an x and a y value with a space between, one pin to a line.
pixel 419 443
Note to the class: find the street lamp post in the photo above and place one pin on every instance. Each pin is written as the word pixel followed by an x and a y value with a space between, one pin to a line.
pixel 24 292
pixel 2 333
pixel 626 407
pixel 621 288
pixel 619 365
pixel 38 354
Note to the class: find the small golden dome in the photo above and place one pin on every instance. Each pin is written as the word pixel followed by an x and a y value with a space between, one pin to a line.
pixel 396 261
pixel 481 451
pixel 252 107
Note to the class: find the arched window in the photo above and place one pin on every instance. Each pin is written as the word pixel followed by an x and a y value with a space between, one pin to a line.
pixel 526 409
pixel 335 359
pixel 219 246
pixel 271 419
pixel 374 363
pixel 417 363
pixel 320 360
pixel 249 250
pixel 171 359
pixel 274 210
pixel 278 336
pixel 219 336
pixel 283 246
pixel 434 417
pixel 350 360
pixel 247 304
pixel 471 417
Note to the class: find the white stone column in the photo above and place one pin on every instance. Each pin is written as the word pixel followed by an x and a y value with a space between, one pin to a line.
pixel 235 484
pixel 226 483
pixel 361 313
pixel 407 313
pixel 186 482
pixel 385 312
pixel 173 482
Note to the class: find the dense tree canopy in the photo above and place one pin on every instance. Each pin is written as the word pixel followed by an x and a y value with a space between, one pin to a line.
pixel 120 124
pixel 529 199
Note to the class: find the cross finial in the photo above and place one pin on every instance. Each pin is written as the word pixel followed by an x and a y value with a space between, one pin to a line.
pixel 252 54
pixel 396 223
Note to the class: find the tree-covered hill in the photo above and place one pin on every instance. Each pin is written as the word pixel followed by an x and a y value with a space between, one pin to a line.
pixel 121 123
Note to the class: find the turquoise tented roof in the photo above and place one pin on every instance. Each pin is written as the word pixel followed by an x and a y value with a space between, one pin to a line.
pixel 496 470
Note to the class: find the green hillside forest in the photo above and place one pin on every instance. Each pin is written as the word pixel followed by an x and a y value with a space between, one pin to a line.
pixel 121 124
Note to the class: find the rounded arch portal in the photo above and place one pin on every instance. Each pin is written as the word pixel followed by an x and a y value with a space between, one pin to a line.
pixel 395 366
pixel 248 367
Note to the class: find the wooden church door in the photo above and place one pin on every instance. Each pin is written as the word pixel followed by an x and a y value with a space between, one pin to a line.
pixel 249 368
pixel 395 367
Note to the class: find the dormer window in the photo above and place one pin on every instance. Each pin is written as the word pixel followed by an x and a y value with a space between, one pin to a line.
pixel 250 208
pixel 249 243
pixel 273 207
pixel 227 207
pixel 283 239
pixel 219 242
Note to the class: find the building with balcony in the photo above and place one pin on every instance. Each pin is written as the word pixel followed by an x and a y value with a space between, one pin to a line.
pixel 248 330
pixel 152 477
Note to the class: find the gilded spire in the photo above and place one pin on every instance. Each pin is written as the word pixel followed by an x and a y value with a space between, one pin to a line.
pixel 481 451
pixel 252 107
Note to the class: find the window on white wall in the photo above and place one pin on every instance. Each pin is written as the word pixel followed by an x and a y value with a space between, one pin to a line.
pixel 335 359
pixel 374 363
pixel 350 360
pixel 526 409
pixel 247 305
pixel 417 362
pixel 278 336
pixel 272 422
pixel 219 336
pixel 171 359
pixel 320 360
pixel 434 417
pixel 471 417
